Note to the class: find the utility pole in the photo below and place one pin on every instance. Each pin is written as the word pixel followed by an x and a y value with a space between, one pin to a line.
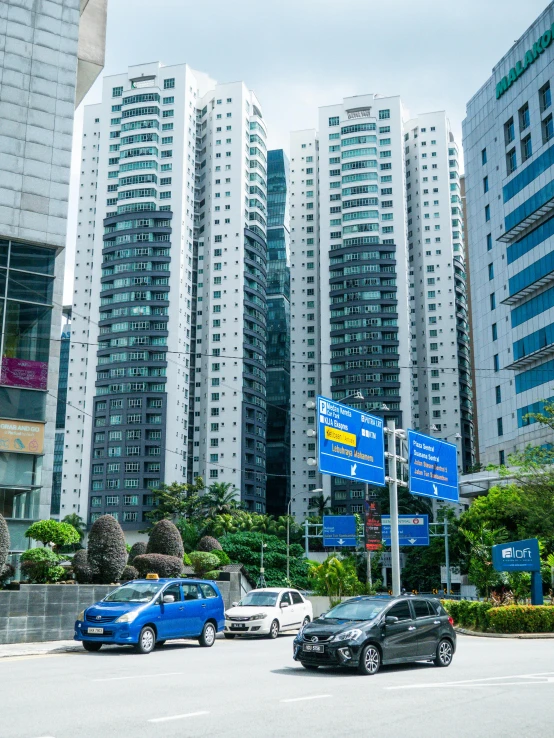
pixel 447 555
pixel 393 498
pixel 368 552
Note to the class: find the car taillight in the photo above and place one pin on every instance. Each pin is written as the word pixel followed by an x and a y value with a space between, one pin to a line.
pixel 451 620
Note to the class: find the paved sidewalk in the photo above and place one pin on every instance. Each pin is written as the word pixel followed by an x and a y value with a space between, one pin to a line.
pixel 37 649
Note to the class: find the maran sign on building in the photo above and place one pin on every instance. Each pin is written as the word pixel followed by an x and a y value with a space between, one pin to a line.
pixel 530 57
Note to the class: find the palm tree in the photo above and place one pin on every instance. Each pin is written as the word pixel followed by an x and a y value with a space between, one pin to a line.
pixel 321 504
pixel 221 499
pixel 77 522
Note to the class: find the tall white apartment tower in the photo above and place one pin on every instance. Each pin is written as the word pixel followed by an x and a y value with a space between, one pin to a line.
pixel 443 404
pixel 169 242
pixel 306 326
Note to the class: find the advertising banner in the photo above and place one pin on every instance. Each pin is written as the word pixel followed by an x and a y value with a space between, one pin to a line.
pixel 373 527
pixel 21 437
pixel 24 373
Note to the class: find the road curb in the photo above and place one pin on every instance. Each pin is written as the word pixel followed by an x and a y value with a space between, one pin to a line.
pixel 520 636
pixel 16 652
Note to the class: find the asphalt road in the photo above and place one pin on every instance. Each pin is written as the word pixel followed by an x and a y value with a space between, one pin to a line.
pixel 253 688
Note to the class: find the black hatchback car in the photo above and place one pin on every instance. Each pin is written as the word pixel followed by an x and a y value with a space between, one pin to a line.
pixel 365 632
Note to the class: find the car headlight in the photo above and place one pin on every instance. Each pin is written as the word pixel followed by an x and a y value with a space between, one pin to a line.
pixel 348 635
pixel 81 615
pixel 128 617
pixel 259 616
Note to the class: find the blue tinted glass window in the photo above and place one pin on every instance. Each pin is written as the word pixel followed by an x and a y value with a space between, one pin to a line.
pixel 491 271
pixel 534 306
pixel 529 206
pixel 489 242
pixel 498 394
pixel 536 407
pixel 535 377
pixel 540 234
pixel 534 272
pixel 496 363
pixel 484 156
pixel 499 427
pixel 493 300
pixel 534 342
pixel 525 177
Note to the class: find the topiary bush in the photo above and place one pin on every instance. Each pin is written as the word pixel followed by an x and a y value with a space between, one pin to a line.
pixel 4 542
pixel 7 572
pixel 222 556
pixel 41 565
pixel 205 564
pixel 129 573
pixel 209 543
pixel 81 568
pixel 107 554
pixel 165 539
pixel 52 532
pixel 163 566
pixel 137 549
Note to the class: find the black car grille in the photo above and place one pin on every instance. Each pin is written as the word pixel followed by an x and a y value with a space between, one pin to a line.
pixel 308 638
pixel 100 618
pixel 241 620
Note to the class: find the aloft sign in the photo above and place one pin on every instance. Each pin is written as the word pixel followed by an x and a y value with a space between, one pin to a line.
pixel 530 57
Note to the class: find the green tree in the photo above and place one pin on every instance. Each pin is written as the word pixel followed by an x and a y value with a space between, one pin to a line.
pixel 335 578
pixel 190 534
pixel 220 499
pixel 204 564
pixel 41 565
pixel 176 501
pixel 321 504
pixel 52 532
pixel 77 522
pixel 480 569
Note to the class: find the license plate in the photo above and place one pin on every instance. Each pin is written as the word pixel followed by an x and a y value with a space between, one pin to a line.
pixel 239 627
pixel 95 631
pixel 310 647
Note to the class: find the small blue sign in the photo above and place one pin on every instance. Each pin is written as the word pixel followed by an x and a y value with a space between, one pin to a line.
pixel 351 444
pixel 517 556
pixel 339 530
pixel 413 530
pixel 433 467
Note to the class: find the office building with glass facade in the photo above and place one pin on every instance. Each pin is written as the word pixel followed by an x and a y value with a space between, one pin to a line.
pixel 509 157
pixel 278 333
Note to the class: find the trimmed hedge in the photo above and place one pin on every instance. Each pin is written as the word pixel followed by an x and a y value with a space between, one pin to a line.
pixel 165 539
pixel 137 549
pixel 129 573
pixel 484 617
pixel 163 566
pixel 81 568
pixel 209 544
pixel 107 553
pixel 522 619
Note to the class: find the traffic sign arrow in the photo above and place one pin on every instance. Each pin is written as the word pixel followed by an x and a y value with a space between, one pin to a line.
pixel 341 541
pixel 412 540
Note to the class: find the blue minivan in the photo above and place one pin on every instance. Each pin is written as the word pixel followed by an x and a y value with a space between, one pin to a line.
pixel 146 613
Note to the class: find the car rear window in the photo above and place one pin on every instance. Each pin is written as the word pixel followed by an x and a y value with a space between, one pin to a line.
pixel 297 599
pixel 208 590
pixel 422 609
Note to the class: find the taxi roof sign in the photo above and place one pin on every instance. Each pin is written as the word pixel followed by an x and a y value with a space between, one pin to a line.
pixel 152 576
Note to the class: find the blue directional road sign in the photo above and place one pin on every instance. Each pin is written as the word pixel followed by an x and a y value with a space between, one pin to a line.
pixel 413 530
pixel 339 530
pixel 351 444
pixel 433 467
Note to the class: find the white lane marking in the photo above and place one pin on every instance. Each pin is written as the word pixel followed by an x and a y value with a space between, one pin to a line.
pixel 177 717
pixel 313 697
pixel 139 676
pixel 544 677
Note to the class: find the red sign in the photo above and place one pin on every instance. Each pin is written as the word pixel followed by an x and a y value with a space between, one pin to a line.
pixel 372 527
pixel 24 373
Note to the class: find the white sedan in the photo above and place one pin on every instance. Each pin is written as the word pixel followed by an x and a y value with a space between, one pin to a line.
pixel 266 612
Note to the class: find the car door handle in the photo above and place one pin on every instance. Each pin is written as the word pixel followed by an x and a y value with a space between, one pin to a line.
pixel 203 605
pixel 412 627
pixel 181 608
pixel 436 622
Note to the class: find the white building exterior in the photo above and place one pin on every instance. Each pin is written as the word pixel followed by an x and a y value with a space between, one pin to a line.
pixel 509 152
pixel 158 361
pixel 438 303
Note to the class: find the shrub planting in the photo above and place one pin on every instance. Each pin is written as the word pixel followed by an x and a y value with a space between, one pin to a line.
pixel 522 619
pixel 468 614
pixel 129 573
pixel 165 539
pixel 107 554
pixel 209 543
pixel 52 532
pixel 205 564
pixel 163 566
pixel 4 542
pixel 81 568
pixel 222 556
pixel 41 566
pixel 7 572
pixel 137 549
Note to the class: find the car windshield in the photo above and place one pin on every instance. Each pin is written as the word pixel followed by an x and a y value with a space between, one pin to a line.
pixel 136 592
pixel 357 610
pixel 259 599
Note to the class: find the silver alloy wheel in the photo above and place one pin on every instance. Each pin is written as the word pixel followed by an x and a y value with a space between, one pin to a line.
pixel 305 621
pixel 274 630
pixel 209 634
pixel 147 640
pixel 445 653
pixel 372 660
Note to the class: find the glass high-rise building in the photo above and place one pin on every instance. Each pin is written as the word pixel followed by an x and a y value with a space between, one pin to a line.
pixel 278 334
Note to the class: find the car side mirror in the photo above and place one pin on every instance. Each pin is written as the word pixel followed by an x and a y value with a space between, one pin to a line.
pixel 284 604
pixel 322 614
pixel 391 620
pixel 234 604
pixel 168 599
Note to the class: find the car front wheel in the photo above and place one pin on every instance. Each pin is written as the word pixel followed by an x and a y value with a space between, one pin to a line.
pixel 370 661
pixel 92 646
pixel 207 639
pixel 444 653
pixel 147 640
pixel 274 630
pixel 305 621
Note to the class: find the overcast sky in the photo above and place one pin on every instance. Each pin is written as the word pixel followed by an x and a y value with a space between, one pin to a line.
pixel 299 54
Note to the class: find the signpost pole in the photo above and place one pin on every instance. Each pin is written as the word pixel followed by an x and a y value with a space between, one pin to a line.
pixel 393 498
pixel 447 556
pixel 368 553
pixel 306 539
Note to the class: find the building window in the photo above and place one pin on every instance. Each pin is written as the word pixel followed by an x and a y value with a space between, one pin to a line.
pixel 493 301
pixel 169 83
pixel 117 91
pixel 496 363
pixel 499 427
pixel 485 184
pixel 524 119
pixel 483 156
pixel 489 241
pixel 384 114
pixel 494 331
pixel 488 211
pixel 501 458
pixel 545 97
pixel 509 132
pixel 498 394
pixel 491 271
pixel 334 121
pixel 511 162
pixel 526 148
pixel 547 129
